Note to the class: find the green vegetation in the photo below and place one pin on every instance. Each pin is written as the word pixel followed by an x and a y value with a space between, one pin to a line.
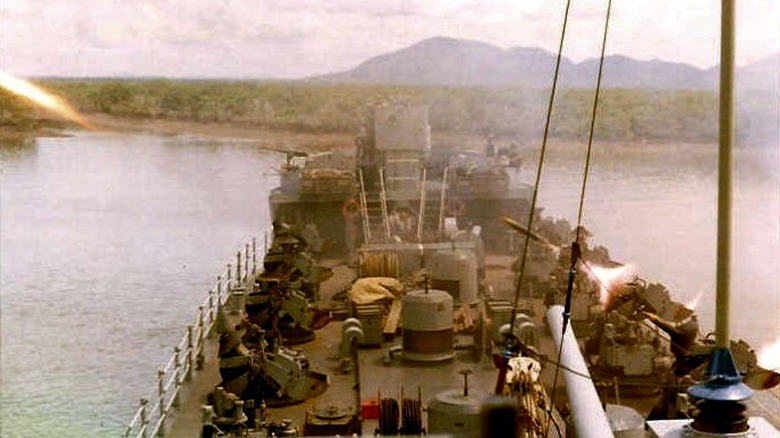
pixel 15 113
pixel 309 107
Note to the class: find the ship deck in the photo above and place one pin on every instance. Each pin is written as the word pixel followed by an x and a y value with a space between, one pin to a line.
pixel 377 375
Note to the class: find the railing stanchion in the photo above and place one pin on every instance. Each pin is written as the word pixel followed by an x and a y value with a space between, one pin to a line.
pixel 238 268
pixel 212 316
pixel 176 375
pixel 201 334
pixel 189 357
pixel 246 261
pixel 150 420
pixel 161 391
pixel 219 287
pixel 144 416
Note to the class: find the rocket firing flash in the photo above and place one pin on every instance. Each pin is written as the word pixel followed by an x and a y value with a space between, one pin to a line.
pixel 767 374
pixel 693 303
pixel 609 278
pixel 42 98
pixel 769 356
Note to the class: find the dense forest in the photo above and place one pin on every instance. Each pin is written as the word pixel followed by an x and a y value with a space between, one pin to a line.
pixel 626 115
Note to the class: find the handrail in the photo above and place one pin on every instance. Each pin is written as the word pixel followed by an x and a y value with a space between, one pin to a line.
pixel 443 200
pixel 421 213
pixel 149 421
pixel 364 208
pixel 383 198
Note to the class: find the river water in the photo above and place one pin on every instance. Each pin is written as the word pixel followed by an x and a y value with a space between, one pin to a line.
pixel 108 243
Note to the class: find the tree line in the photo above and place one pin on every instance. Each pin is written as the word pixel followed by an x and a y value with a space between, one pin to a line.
pixel 651 115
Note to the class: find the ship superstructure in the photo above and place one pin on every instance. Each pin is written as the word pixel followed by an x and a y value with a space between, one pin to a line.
pixel 403 250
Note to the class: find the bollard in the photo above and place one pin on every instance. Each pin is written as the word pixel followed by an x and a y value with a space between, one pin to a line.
pixel 238 411
pixel 176 375
pixel 144 416
pixel 249 410
pixel 254 256
pixel 219 401
pixel 189 358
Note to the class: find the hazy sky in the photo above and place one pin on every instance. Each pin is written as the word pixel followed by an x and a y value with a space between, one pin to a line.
pixel 295 38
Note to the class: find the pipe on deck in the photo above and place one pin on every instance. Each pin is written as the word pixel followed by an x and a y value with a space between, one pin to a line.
pixel 590 420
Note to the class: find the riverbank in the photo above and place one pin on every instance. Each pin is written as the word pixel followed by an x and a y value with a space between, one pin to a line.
pixel 16 129
pixel 285 140
pixel 10 136
pixel 262 137
pixel 326 116
pixel 516 111
pixel 271 139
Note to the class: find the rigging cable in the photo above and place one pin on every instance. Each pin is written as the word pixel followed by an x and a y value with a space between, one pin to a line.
pixel 529 224
pixel 576 250
pixel 531 212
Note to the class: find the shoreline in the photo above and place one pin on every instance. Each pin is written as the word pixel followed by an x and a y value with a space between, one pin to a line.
pixel 282 141
pixel 273 140
pixel 263 137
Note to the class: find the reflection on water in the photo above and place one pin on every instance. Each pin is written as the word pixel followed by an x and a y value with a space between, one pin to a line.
pixel 655 207
pixel 17 148
pixel 110 241
pixel 108 245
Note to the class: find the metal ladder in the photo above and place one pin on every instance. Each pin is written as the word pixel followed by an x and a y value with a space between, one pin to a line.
pixel 372 229
pixel 383 200
pixel 363 208
pixel 436 205
pixel 443 199
pixel 421 210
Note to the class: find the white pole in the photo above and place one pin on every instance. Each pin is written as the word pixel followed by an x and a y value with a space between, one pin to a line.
pixel 590 420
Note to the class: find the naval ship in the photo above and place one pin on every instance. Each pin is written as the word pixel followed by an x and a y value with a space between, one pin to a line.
pixel 382 301
pixel 388 299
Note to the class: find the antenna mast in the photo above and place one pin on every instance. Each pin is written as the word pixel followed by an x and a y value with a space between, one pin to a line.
pixel 725 143
pixel 720 410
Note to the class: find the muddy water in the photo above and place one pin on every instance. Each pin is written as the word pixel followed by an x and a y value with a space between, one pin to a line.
pixel 109 241
pixel 655 207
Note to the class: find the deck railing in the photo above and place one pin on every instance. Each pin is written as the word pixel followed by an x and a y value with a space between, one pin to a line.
pixel 188 356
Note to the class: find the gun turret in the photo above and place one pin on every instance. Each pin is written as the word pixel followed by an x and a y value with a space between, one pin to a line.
pixel 682 335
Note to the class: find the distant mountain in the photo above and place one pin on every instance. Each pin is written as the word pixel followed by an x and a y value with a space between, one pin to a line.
pixel 447 61
pixel 450 61
pixel 758 107
pixel 624 72
pixel 761 75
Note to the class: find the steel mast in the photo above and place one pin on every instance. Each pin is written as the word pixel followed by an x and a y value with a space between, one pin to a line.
pixel 720 410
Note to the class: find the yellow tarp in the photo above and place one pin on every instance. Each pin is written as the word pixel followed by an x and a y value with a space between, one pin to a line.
pixel 372 289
